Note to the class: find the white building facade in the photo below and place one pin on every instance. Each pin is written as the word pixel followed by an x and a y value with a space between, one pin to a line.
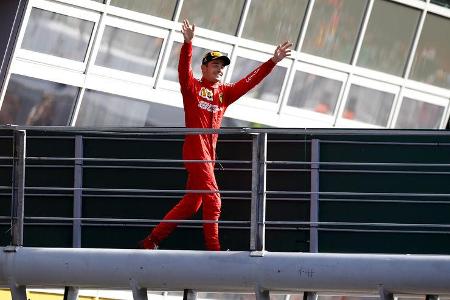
pixel 356 63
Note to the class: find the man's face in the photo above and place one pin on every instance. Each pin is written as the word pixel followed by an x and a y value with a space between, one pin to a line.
pixel 213 71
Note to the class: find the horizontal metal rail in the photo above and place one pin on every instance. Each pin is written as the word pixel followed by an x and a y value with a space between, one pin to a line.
pixel 267 222
pixel 225 271
pixel 269 192
pixel 385 143
pixel 269 162
pixel 112 220
pixel 144 160
pixel 287 131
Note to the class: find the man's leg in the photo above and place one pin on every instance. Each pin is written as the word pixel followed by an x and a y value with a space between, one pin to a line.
pixel 185 209
pixel 202 178
pixel 211 211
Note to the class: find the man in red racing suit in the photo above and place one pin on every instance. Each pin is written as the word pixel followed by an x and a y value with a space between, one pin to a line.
pixel 205 102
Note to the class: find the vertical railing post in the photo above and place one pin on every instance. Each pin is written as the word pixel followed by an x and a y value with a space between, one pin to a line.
pixel 18 292
pixel 139 293
pixel 314 199
pixel 189 294
pixel 78 193
pixel 71 292
pixel 258 203
pixel 314 207
pixel 18 193
pixel 385 294
pixel 262 294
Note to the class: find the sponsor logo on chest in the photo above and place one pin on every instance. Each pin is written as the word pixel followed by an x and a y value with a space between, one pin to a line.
pixel 208 106
pixel 206 94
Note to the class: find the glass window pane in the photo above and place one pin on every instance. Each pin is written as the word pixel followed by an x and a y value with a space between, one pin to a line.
pixel 217 15
pixel 415 114
pixel 432 60
pixel 315 93
pixel 103 109
pixel 368 105
pixel 274 21
pixel 30 101
pixel 267 90
pixel 129 51
pixel 59 35
pixel 164 9
pixel 445 3
pixel 333 28
pixel 387 41
pixel 172 66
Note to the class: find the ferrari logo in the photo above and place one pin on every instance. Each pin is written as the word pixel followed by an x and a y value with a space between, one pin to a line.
pixel 206 94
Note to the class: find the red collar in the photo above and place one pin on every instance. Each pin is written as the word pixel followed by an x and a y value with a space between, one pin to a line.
pixel 210 84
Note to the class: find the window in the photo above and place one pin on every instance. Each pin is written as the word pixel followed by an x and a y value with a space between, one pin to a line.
pixel 368 105
pixel 314 93
pixel 387 41
pixel 415 114
pixel 217 15
pixel 30 101
pixel 56 34
pixel 274 21
pixel 103 109
pixel 164 9
pixel 269 89
pixel 445 3
pixel 333 29
pixel 172 66
pixel 129 51
pixel 432 60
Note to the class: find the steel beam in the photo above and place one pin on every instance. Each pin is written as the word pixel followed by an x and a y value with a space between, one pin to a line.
pixel 225 271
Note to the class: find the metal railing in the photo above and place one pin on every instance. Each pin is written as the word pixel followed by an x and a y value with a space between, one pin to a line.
pixel 259 166
pixel 260 163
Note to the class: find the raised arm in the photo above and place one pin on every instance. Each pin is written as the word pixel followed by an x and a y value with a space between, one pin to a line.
pixel 185 75
pixel 241 87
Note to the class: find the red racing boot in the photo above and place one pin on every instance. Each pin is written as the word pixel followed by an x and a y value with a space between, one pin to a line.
pixel 148 243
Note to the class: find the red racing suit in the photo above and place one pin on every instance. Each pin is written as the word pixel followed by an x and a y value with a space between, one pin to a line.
pixel 204 106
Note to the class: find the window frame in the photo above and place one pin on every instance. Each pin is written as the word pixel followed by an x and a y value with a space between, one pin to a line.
pixel 370 84
pixel 196 42
pixel 148 30
pixel 259 57
pixel 422 97
pixel 75 12
pixel 140 17
pixel 305 113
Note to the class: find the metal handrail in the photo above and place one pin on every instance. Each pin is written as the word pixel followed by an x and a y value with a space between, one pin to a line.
pixel 319 166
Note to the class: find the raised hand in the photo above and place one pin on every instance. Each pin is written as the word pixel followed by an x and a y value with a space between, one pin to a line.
pixel 282 51
pixel 187 30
